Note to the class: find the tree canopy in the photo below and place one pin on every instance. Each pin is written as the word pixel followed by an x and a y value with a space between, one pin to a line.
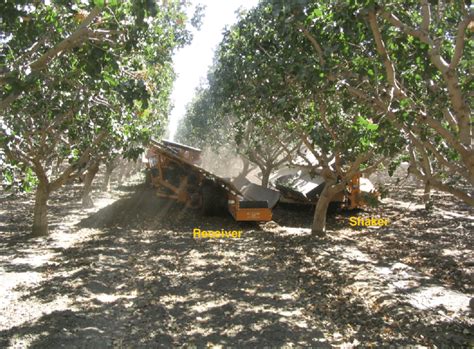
pixel 79 80
pixel 360 82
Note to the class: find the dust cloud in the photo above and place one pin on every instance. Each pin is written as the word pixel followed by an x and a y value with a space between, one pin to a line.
pixel 225 163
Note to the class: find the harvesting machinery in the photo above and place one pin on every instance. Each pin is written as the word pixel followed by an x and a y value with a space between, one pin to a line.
pixel 174 170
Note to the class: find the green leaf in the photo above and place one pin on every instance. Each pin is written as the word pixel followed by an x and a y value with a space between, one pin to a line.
pixel 317 13
pixel 366 124
pixel 404 103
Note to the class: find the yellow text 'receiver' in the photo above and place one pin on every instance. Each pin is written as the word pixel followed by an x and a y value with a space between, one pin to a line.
pixel 216 234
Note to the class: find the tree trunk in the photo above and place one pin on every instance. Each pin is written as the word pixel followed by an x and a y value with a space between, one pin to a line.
pixel 88 179
pixel 40 215
pixel 427 196
pixel 266 177
pixel 318 227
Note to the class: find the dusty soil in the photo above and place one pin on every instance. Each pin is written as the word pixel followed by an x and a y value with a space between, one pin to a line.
pixel 128 274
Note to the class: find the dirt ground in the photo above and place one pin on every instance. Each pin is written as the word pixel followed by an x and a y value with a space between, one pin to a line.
pixel 129 274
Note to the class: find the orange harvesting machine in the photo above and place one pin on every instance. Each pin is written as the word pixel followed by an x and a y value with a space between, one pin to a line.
pixel 173 169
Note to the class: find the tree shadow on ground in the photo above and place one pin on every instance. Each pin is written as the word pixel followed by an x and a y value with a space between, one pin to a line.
pixel 362 305
pixel 439 246
pixel 156 287
pixel 142 280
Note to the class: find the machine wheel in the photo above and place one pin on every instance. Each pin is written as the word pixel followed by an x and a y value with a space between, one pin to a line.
pixel 214 199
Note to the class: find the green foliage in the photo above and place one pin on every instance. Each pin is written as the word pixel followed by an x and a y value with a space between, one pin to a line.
pixel 17 176
pixel 284 62
pixel 203 125
pixel 271 73
pixel 116 82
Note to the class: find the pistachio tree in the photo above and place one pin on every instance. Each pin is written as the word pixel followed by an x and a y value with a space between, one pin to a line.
pixel 268 70
pixel 411 61
pixel 79 80
pixel 205 120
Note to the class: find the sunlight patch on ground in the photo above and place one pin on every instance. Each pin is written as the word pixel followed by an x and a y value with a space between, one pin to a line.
pixel 66 239
pixel 289 296
pixel 291 231
pixel 298 323
pixel 75 215
pixel 29 310
pixel 447 214
pixel 406 205
pixel 195 274
pixel 171 300
pixel 395 267
pixel 198 259
pixel 20 342
pixel 232 331
pixel 206 306
pixel 106 297
pixel 433 296
pixel 260 325
pixel 401 277
pixel 95 329
pixel 109 260
pixel 452 253
pixel 100 203
pixel 354 254
pixel 9 299
pixel 249 291
pixel 287 315
pixel 12 279
pixel 380 286
pixel 198 330
pixel 109 298
pixel 32 259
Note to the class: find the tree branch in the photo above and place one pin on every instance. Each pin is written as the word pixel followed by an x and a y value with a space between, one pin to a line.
pixel 391 18
pixel 438 184
pixel 426 15
pixel 459 46
pixel 314 43
pixel 382 51
pixel 82 159
pixel 370 169
pixel 79 35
